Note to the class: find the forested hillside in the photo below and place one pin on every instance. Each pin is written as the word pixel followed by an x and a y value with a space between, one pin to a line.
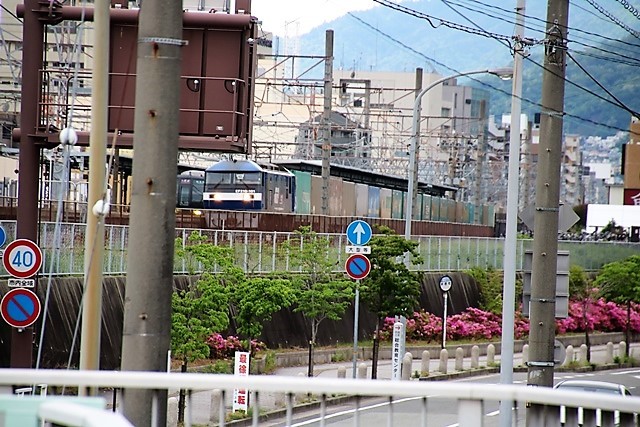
pixel 388 39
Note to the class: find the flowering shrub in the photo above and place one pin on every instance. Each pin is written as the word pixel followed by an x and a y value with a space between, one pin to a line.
pixel 225 348
pixel 601 316
pixel 476 324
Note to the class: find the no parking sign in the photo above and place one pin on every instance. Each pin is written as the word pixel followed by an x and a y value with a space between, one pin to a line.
pixel 20 307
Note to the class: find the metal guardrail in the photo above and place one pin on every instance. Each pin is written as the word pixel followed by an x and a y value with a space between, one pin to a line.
pixel 469 398
pixel 259 252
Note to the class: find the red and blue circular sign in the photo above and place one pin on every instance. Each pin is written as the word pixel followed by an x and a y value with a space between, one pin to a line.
pixel 22 258
pixel 20 307
pixel 358 266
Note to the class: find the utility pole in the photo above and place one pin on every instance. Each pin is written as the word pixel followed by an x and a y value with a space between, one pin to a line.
pixel 94 239
pixel 147 307
pixel 480 158
pixel 545 241
pixel 326 121
pixel 510 240
pixel 416 153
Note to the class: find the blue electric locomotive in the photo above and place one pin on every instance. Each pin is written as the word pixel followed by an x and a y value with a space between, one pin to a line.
pixel 247 185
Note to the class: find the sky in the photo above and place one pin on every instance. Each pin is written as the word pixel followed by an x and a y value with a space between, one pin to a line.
pixel 291 18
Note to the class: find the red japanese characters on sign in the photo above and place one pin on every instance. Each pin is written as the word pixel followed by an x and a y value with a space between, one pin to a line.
pixel 241 368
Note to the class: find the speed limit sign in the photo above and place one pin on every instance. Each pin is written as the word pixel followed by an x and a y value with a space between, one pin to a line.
pixel 22 258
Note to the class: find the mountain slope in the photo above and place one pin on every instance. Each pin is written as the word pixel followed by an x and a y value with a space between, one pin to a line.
pixel 385 39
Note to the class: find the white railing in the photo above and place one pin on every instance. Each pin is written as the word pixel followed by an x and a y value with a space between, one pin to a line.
pixel 260 252
pixel 470 398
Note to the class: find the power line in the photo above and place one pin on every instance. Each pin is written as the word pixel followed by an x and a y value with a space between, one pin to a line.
pixel 620 103
pixel 621 24
pixel 632 10
pixel 501 39
pixel 439 22
pixel 510 20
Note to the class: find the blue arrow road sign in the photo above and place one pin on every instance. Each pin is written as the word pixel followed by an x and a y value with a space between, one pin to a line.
pixel 359 232
pixel 358 266
pixel 3 236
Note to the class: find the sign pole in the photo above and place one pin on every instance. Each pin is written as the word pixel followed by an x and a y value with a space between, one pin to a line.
pixel 356 316
pixel 357 267
pixel 445 286
pixel 444 321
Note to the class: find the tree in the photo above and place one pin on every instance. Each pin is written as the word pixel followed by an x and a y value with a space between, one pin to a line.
pixel 620 282
pixel 390 289
pixel 321 294
pixel 255 301
pixel 580 288
pixel 201 308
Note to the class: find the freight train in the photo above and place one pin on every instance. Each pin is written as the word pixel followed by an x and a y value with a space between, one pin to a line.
pixel 244 185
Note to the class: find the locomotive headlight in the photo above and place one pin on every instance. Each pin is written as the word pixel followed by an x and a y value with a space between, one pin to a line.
pixel 247 197
pixel 216 196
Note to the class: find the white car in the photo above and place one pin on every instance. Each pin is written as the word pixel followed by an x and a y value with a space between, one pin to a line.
pixel 594 387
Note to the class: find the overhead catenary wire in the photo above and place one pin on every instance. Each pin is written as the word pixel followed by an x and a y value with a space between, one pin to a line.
pixel 60 206
pixel 414 13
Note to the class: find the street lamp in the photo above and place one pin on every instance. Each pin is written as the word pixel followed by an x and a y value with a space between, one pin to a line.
pixel 503 73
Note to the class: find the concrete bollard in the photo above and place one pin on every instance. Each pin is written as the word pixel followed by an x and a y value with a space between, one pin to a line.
pixel 424 366
pixel 214 409
pixel 342 372
pixel 362 371
pixel 491 355
pixel 444 360
pixel 608 357
pixel 475 357
pixel 300 397
pixel 568 358
pixel 407 362
pixel 622 350
pixel 582 355
pixel 279 399
pixel 525 354
pixel 172 412
pixel 459 358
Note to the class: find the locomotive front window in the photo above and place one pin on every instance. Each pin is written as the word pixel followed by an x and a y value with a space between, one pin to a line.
pixel 215 178
pixel 248 178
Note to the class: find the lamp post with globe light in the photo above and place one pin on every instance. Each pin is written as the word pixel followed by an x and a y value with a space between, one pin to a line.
pixel 503 73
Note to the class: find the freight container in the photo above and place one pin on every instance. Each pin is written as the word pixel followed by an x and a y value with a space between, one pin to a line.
pixel 491 216
pixel 362 200
pixel 316 195
pixel 303 192
pixel 335 196
pixel 385 202
pixel 397 204
pixel 451 210
pixel 373 210
pixel 435 208
pixel 426 208
pixel 349 198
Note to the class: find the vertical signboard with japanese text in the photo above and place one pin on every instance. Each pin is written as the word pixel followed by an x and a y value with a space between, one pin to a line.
pixel 396 356
pixel 241 396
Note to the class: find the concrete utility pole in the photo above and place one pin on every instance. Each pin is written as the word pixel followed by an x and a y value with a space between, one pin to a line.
pixel 482 150
pixel 416 153
pixel 545 242
pixel 147 306
pixel 326 121
pixel 510 240
pixel 94 239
